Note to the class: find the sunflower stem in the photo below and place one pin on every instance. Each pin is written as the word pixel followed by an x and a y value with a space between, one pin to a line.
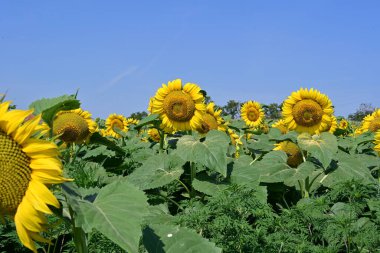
pixel 192 177
pixel 162 139
pixel 184 186
pixel 80 239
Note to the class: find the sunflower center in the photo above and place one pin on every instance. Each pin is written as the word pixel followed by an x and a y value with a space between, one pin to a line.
pixel 374 125
pixel 117 123
pixel 179 106
pixel 253 114
pixel 72 126
pixel 14 173
pixel 307 113
pixel 208 123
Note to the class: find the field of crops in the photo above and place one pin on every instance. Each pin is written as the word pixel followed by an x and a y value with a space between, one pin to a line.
pixel 187 178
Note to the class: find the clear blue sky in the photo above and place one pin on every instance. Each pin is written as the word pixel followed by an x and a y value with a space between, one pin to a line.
pixel 119 52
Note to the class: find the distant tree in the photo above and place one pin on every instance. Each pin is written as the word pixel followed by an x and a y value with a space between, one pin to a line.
pixel 272 111
pixel 363 110
pixel 138 115
pixel 232 108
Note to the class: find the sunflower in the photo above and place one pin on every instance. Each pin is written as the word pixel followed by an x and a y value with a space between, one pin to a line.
pixel 235 139
pixel 333 125
pixel 154 135
pixel 343 124
pixel 27 165
pixel 371 122
pixel 150 106
pixel 307 111
pixel 252 113
pixel 377 142
pixel 281 125
pixel 113 122
pixel 180 108
pixel 74 126
pixel 211 120
pixel 293 152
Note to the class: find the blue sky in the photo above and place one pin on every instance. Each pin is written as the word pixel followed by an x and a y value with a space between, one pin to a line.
pixel 119 52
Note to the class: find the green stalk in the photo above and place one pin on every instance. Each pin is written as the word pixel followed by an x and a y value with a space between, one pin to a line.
pixel 192 177
pixel 80 239
pixel 162 139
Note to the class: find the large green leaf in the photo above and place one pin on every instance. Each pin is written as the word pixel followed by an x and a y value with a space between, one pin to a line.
pixel 147 120
pixel 157 171
pixel 243 171
pixel 98 139
pixel 117 213
pixel 210 153
pixel 261 143
pixel 274 169
pixel 347 168
pixel 322 147
pixel 207 187
pixel 160 238
pixel 45 103
pixel 50 106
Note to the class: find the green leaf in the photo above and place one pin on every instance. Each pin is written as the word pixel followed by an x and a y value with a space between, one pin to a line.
pixel 347 168
pixel 243 171
pixel 208 188
pixel 157 171
pixel 174 239
pixel 99 151
pixel 274 169
pixel 210 153
pixel 261 143
pixel 292 136
pixel 322 147
pixel 97 138
pixel 45 103
pixel 147 120
pixel 117 213
pixel 48 107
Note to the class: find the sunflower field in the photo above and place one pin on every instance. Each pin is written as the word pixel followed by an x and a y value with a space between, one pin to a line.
pixel 187 178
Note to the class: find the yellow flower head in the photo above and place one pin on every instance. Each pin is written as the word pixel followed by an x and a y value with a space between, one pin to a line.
pixel 292 150
pixel 333 125
pixel 307 111
pixel 281 125
pixel 252 113
pixel 377 142
pixel 371 122
pixel 113 122
pixel 235 139
pixel 180 108
pixel 211 120
pixel 74 126
pixel 150 106
pixel 343 124
pixel 27 165
pixel 154 135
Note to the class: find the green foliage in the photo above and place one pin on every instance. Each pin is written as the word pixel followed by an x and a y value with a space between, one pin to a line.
pixel 117 212
pixel 363 110
pixel 173 239
pixel 157 171
pixel 138 115
pixel 50 106
pixel 200 193
pixel 336 221
pixel 272 111
pixel 322 147
pixel 210 153
pixel 232 108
